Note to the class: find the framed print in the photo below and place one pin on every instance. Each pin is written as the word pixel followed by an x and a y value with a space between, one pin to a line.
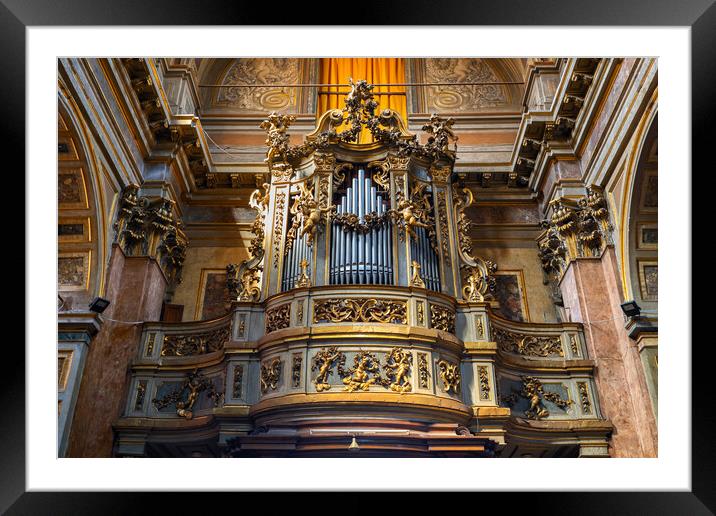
pixel 364 180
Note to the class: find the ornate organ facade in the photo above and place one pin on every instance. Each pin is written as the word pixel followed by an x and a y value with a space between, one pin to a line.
pixel 363 319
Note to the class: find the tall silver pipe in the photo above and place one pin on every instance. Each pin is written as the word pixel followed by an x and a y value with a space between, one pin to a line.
pixel 354 239
pixel 374 235
pixel 361 238
pixel 344 242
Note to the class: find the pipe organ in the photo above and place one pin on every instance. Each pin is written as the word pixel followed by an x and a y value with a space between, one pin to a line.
pixel 362 301
pixel 361 253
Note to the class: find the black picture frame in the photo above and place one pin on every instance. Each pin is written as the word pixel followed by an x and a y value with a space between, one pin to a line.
pixel 700 15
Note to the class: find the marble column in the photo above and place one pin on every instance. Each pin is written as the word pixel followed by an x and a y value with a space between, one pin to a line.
pixel 135 288
pixel 592 296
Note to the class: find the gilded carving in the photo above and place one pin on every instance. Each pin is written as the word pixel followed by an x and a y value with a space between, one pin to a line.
pixel 278 318
pixel 415 279
pixel 584 397
pixel 177 345
pixel 270 375
pixel 303 280
pixel 141 391
pixel 323 362
pixel 423 371
pixel 308 215
pixel 278 226
pixel 186 396
pixel 450 376
pixel 297 362
pixel 576 229
pixel 421 312
pixel 443 219
pixel 479 326
pixel 484 377
pixel 364 373
pixel 299 313
pixel 528 345
pixel 533 391
pixel 442 318
pixel 397 368
pixel 381 174
pixel 360 310
pixel 238 382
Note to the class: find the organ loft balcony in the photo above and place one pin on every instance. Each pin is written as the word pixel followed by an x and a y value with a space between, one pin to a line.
pixel 363 317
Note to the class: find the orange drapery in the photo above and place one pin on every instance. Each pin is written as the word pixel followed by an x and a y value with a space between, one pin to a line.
pixel 375 70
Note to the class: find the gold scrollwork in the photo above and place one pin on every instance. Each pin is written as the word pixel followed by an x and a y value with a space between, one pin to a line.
pixel 415 279
pixel 450 376
pixel 278 318
pixel 423 370
pixel 442 318
pixel 177 345
pixel 484 382
pixel 278 226
pixel 270 375
pixel 360 310
pixel 584 397
pixel 528 345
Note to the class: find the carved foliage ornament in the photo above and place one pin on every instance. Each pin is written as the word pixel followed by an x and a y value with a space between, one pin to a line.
pixel 360 310
pixel 576 229
pixel 270 375
pixel 176 345
pixel 442 318
pixel 450 376
pixel 149 227
pixel 528 345
pixel 278 318
pixel 358 113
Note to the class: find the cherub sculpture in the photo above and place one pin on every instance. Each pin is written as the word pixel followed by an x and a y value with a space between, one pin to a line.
pixel 359 375
pixel 398 365
pixel 309 213
pixel 323 362
pixel 277 138
pixel 441 133
pixel 411 219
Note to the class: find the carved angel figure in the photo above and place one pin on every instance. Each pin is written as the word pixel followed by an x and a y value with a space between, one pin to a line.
pixel 398 363
pixel 411 219
pixel 323 361
pixel 277 138
pixel 441 133
pixel 259 201
pixel 359 376
pixel 309 213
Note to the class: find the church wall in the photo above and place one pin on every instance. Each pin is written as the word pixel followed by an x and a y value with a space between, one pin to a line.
pixel 200 263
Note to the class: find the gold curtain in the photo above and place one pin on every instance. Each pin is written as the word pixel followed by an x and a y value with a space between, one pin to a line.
pixel 375 70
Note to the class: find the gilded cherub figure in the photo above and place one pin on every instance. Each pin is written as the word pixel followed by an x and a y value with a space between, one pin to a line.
pixel 309 213
pixel 359 376
pixel 277 138
pixel 398 363
pixel 410 218
pixel 442 133
pixel 323 362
